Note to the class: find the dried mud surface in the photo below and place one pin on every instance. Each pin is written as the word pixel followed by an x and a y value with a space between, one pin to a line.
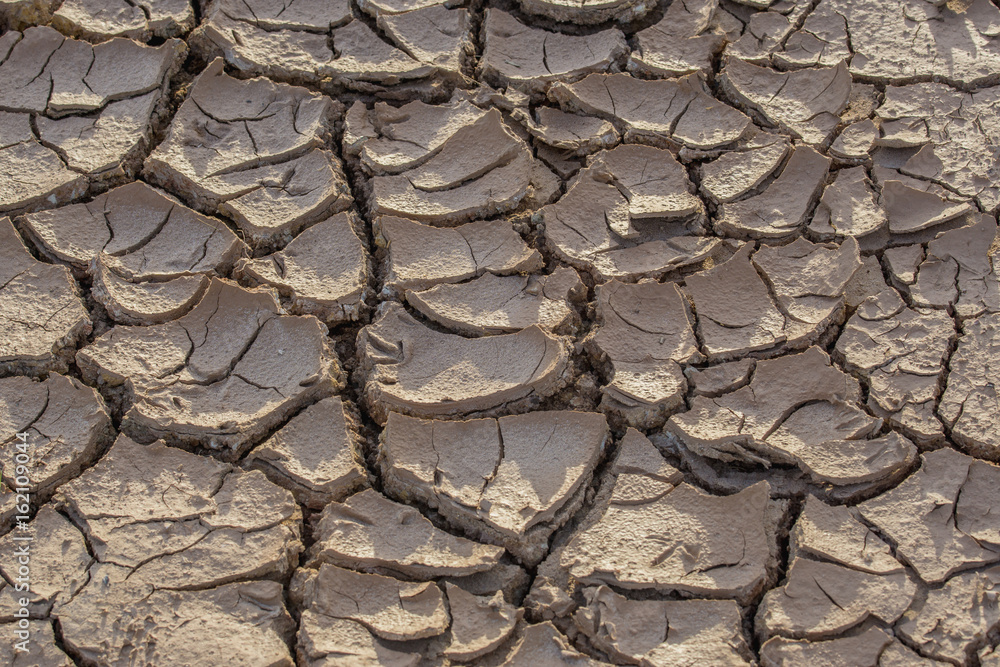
pixel 426 333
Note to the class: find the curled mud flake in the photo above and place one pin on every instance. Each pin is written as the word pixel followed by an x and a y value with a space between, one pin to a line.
pixel 369 532
pixel 323 271
pixel 316 455
pixel 407 367
pixel 946 524
pixel 41 312
pixel 527 478
pixel 902 359
pixel 420 257
pixel 256 151
pixel 662 633
pixel 494 304
pixel 530 59
pixel 643 334
pixel 646 547
pixel 968 406
pixel 213 377
pixel 806 103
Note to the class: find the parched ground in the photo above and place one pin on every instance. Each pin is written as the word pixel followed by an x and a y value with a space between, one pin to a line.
pixel 502 332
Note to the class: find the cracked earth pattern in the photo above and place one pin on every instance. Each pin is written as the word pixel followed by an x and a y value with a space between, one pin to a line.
pixel 502 332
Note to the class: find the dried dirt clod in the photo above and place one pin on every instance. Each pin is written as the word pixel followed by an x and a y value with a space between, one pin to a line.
pixel 661 113
pixel 543 644
pixel 323 271
pixel 163 517
pixel 480 170
pixel 833 533
pixel 421 256
pixel 47 73
pixel 391 140
pixel 221 376
pixel 721 378
pixel 780 211
pixel 911 210
pixel 41 649
pixel 145 233
pixel 863 650
pixel 663 633
pixel 681 43
pixel 67 423
pixel 408 367
pixel 947 134
pixel 757 37
pixel 578 135
pixel 822 40
pixel 739 172
pixel 952 622
pixel 643 335
pixel 631 213
pixel 391 609
pixel 319 42
pixel 806 103
pixel 322 639
pixel 902 359
pixel 779 299
pixel 144 303
pixel 253 150
pixel 837 579
pixel 492 304
pixel 957 271
pixel 525 480
pixel 435 35
pixel 479 624
pixel 372 533
pixel 165 626
pixel 967 407
pixel 856 141
pixel 97 20
pixel 941 518
pixel 884 40
pixel 588 13
pixel 797 410
pixel 53 182
pixel 41 312
pixel 849 207
pixel 92 113
pixel 316 455
pixel 530 59
pixel 649 547
pixel 58 561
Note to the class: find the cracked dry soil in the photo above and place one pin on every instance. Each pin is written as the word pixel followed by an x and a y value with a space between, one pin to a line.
pixel 502 332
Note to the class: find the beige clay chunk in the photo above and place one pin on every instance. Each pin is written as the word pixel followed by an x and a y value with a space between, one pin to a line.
pixel 96 20
pixel 410 368
pixel 631 213
pixel 75 115
pixel 522 482
pixel 66 422
pixel 221 376
pixel 966 407
pixel 41 312
pixel 261 161
pixel 315 455
pixel 420 256
pixel 530 59
pixel 494 304
pixel 658 112
pixel 369 532
pixel 797 410
pixel 644 333
pixel 645 546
